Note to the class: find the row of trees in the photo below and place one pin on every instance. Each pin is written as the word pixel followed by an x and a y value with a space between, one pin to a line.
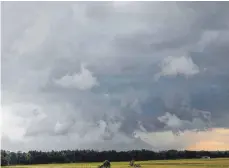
pixel 72 156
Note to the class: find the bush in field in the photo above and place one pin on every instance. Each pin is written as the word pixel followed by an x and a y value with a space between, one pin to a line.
pixel 106 164
pixel 132 164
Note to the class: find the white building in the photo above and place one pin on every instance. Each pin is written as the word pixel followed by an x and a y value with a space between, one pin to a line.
pixel 205 157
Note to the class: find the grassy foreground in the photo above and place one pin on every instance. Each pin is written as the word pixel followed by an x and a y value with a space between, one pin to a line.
pixel 191 163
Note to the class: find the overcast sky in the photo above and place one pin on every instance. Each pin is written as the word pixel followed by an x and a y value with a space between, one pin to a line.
pixel 115 75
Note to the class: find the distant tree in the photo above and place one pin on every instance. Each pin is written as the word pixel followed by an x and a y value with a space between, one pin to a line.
pixel 4 158
pixel 66 156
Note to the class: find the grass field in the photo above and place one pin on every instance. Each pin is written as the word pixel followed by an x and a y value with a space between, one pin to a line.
pixel 192 163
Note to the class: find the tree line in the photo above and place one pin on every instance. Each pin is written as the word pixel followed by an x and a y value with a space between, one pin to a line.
pixel 77 156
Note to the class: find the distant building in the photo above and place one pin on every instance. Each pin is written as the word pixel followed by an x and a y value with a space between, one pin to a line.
pixel 205 157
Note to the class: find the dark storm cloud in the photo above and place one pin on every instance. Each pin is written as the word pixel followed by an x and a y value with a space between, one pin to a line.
pixel 97 72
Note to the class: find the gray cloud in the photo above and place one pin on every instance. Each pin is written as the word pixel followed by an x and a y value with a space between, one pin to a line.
pixel 48 96
pixel 82 81
pixel 172 66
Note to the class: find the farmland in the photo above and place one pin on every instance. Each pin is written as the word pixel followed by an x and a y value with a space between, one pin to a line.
pixel 190 163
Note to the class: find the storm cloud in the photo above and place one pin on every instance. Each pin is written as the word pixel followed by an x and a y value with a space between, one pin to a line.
pixel 109 75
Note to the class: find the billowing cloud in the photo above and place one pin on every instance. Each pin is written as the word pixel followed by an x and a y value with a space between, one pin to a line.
pixel 183 65
pixel 82 74
pixel 177 125
pixel 82 81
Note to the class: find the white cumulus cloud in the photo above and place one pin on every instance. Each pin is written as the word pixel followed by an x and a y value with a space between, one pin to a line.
pixel 83 80
pixel 173 66
pixel 170 120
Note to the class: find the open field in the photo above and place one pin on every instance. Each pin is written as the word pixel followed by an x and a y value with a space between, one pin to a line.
pixel 191 163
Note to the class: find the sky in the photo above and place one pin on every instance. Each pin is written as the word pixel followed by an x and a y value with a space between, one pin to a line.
pixel 115 75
